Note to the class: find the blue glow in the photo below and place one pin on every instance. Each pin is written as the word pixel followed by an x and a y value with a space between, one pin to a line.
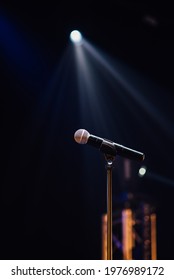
pixel 18 54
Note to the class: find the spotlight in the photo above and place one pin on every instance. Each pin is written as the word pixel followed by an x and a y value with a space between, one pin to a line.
pixel 75 37
pixel 142 171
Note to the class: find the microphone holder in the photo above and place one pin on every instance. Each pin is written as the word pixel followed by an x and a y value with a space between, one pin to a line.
pixel 109 167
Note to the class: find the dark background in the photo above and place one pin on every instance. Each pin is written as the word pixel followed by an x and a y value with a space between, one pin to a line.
pixel 53 191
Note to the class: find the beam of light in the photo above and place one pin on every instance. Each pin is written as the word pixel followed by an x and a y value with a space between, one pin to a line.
pixel 90 88
pixel 76 37
pixel 95 96
pixel 143 172
pixel 159 178
pixel 133 84
pixel 150 20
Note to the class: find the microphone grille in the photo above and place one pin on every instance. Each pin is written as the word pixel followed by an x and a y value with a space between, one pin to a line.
pixel 81 136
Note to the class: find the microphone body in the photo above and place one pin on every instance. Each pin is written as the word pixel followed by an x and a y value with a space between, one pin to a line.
pixel 106 146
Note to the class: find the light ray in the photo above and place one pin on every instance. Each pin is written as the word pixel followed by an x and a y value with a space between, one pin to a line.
pixel 134 85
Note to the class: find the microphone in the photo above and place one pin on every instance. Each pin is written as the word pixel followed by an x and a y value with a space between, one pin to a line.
pixel 108 147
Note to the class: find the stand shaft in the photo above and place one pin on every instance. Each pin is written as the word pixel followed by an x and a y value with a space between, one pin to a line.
pixel 109 212
pixel 109 167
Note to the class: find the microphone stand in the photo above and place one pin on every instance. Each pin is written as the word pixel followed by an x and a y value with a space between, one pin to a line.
pixel 109 167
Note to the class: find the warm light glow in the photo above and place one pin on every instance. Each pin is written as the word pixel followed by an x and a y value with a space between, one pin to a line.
pixel 127 238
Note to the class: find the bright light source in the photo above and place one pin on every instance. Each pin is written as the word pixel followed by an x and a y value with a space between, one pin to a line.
pixel 142 171
pixel 75 37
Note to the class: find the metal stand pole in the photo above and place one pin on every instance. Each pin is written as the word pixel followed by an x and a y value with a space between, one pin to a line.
pixel 109 167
